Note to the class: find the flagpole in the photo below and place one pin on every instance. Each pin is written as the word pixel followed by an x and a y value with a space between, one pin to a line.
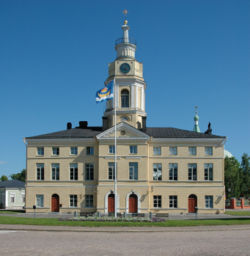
pixel 115 181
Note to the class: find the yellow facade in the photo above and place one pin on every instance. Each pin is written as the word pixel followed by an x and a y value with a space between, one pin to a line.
pixel 157 171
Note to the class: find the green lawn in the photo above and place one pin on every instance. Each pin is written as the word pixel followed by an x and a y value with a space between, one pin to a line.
pixel 9 212
pixel 238 213
pixel 169 223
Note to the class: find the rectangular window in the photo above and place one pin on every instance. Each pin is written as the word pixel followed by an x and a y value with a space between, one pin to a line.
pixel 12 198
pixel 73 150
pixel 55 151
pixel 192 151
pixel 173 202
pixel 111 170
pixel 40 171
pixel 209 201
pixel 173 151
pixel 157 201
pixel 73 171
pixel 73 200
pixel 157 151
pixel 173 171
pixel 208 171
pixel 89 171
pixel 192 171
pixel 89 201
pixel 133 171
pixel 209 151
pixel 133 149
pixel 157 172
pixel 90 151
pixel 39 201
pixel 111 149
pixel 40 151
pixel 55 172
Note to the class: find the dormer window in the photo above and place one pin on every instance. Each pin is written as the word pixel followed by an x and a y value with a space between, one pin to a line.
pixel 125 98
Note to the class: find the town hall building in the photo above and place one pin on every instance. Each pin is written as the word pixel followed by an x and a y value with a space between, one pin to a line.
pixel 159 169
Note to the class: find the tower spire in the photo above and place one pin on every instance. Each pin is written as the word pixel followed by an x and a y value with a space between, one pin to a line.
pixel 125 46
pixel 196 120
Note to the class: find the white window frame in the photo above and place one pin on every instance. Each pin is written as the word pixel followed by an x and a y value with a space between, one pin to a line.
pixel 55 171
pixel 133 170
pixel 133 149
pixel 208 172
pixel 89 151
pixel 173 171
pixel 40 151
pixel 74 151
pixel 157 150
pixel 73 169
pixel 111 149
pixel 89 171
pixel 39 201
pixel 55 151
pixel 12 196
pixel 157 201
pixel 89 201
pixel 192 172
pixel 209 151
pixel 192 151
pixel 111 170
pixel 40 171
pixel 73 201
pixel 209 204
pixel 173 201
pixel 157 171
pixel 173 151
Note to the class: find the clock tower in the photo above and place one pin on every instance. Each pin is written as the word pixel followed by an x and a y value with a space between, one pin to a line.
pixel 129 85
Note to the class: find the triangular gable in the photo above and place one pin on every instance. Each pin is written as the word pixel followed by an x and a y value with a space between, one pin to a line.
pixel 123 131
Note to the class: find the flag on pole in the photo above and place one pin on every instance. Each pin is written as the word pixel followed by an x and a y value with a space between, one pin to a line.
pixel 105 93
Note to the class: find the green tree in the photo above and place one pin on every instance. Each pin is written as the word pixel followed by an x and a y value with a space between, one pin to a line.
pixel 4 178
pixel 232 177
pixel 245 175
pixel 19 176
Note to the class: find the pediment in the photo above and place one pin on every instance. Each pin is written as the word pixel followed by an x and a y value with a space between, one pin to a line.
pixel 123 131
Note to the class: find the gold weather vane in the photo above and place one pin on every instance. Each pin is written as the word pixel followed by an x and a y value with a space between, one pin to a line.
pixel 125 12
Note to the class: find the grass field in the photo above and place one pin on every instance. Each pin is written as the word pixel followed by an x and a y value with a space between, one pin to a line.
pixel 238 213
pixel 168 223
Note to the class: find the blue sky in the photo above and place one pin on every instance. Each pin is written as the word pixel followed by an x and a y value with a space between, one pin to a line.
pixel 54 56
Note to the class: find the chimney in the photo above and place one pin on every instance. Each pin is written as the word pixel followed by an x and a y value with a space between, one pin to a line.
pixel 144 126
pixel 104 123
pixel 83 124
pixel 69 126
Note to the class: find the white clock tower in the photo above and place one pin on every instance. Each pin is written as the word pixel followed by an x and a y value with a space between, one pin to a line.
pixel 129 86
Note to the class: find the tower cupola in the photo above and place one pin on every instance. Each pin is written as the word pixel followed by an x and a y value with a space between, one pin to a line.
pixel 125 47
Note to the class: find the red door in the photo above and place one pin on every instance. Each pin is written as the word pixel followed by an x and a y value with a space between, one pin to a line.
pixel 192 203
pixel 111 203
pixel 133 203
pixel 55 203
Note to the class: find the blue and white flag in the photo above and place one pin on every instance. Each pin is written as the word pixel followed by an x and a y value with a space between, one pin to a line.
pixel 105 93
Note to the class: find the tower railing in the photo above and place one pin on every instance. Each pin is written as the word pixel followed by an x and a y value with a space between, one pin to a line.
pixel 121 41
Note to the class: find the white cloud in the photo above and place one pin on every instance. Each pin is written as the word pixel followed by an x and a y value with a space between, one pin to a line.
pixel 3 162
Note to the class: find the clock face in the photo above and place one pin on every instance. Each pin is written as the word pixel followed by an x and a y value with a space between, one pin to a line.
pixel 125 68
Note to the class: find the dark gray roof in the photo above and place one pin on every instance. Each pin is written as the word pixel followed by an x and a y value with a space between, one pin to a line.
pixel 12 184
pixel 89 132
pixel 169 132
pixel 155 132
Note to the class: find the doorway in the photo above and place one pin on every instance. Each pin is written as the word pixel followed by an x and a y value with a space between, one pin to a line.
pixel 192 203
pixel 55 203
pixel 133 203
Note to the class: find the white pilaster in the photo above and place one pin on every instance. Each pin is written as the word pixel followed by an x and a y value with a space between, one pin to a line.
pixel 136 96
pixel 132 91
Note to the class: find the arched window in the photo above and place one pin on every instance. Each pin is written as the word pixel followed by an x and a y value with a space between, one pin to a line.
pixel 125 98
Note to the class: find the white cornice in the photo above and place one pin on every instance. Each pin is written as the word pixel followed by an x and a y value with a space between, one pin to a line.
pixel 60 141
pixel 188 141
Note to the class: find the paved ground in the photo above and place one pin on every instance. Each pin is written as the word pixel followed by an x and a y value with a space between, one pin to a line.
pixel 195 241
